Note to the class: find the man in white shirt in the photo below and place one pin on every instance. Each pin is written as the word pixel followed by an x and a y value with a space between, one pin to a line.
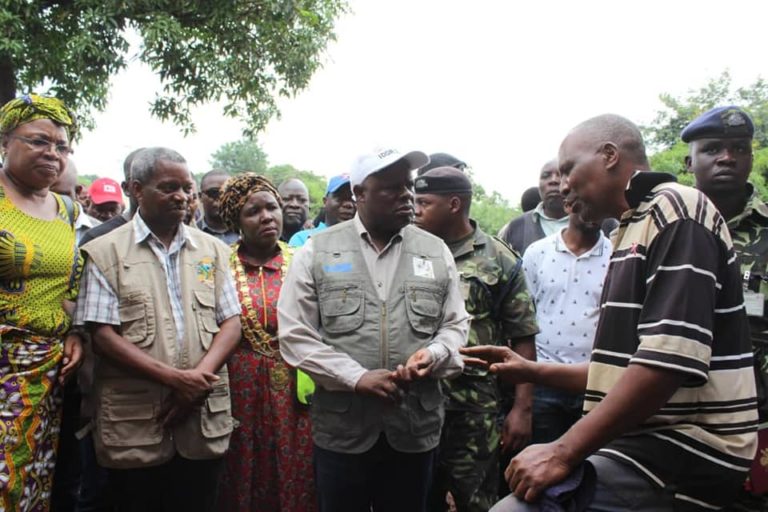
pixel 565 274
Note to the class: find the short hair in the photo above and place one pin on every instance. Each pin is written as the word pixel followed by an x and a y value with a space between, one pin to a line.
pixel 214 172
pixel 619 130
pixel 127 163
pixel 144 163
pixel 530 199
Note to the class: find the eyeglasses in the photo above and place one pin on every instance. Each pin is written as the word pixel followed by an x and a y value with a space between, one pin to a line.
pixel 43 145
pixel 213 193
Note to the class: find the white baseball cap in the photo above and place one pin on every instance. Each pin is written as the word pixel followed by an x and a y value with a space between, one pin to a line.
pixel 380 158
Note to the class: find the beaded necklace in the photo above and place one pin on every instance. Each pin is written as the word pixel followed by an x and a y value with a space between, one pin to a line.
pixel 255 331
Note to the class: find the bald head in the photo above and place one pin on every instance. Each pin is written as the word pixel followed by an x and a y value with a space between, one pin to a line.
pixel 597 159
pixel 66 185
pixel 295 198
pixel 620 131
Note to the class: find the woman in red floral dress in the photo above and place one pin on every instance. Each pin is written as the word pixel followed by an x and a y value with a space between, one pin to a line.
pixel 269 464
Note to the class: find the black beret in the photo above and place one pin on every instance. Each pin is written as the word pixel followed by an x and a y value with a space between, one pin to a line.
pixel 441 160
pixel 443 180
pixel 719 123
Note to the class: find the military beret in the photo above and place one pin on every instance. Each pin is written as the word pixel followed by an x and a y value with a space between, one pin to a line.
pixel 441 160
pixel 443 180
pixel 720 122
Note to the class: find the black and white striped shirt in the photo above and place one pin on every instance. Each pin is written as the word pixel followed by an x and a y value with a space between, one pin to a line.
pixel 673 299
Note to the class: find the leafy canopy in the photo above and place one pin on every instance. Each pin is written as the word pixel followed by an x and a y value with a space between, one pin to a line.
pixel 241 52
pixel 246 155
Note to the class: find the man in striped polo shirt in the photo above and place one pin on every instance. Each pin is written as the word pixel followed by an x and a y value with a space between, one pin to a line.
pixel 669 390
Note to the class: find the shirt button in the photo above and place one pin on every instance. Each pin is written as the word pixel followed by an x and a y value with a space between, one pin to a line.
pixel 379 284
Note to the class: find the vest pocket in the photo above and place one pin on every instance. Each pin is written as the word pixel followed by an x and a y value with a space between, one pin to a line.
pixel 206 316
pixel 333 413
pixel 341 307
pixel 126 422
pixel 216 418
pixel 425 411
pixel 137 321
pixel 424 307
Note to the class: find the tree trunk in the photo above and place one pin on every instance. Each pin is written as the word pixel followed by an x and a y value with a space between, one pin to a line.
pixel 7 79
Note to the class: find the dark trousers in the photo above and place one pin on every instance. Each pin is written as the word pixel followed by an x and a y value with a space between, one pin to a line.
pixel 554 412
pixel 181 484
pixel 379 480
pixel 93 480
pixel 66 479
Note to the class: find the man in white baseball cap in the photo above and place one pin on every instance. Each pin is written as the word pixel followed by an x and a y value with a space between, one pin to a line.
pixel 371 310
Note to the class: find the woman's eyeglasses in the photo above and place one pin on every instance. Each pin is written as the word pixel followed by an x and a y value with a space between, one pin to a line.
pixel 42 145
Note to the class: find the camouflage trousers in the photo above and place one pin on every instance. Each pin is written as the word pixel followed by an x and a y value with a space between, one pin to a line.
pixel 468 462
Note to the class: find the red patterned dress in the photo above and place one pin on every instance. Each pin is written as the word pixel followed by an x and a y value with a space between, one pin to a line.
pixel 269 464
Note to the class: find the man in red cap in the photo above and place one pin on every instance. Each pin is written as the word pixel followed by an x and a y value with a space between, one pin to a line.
pixel 106 199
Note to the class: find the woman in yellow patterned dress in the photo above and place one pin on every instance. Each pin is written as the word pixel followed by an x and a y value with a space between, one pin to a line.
pixel 39 269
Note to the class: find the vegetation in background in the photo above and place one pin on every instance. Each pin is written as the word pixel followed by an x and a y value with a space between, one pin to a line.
pixel 240 52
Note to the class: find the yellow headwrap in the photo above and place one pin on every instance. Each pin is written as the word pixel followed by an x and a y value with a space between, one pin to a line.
pixel 31 107
pixel 237 190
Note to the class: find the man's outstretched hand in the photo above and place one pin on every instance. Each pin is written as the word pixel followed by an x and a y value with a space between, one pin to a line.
pixel 504 361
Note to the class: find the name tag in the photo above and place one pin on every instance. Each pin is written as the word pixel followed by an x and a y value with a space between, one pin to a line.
pixel 754 303
pixel 423 268
pixel 338 267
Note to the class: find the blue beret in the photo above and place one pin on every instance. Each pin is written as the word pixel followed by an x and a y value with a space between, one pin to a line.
pixel 719 123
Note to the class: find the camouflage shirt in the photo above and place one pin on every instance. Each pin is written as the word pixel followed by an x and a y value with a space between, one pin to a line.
pixel 749 231
pixel 495 295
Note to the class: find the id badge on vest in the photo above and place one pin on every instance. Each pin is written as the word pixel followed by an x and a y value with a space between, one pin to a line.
pixel 423 268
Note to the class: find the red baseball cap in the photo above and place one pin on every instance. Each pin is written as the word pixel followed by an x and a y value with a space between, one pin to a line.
pixel 105 190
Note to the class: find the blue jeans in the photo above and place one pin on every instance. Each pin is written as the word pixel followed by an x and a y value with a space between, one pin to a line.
pixel 554 412
pixel 379 480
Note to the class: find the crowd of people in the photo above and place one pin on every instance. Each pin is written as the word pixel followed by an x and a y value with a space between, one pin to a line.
pixel 210 347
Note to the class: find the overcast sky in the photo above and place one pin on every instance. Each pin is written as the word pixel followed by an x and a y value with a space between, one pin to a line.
pixel 497 83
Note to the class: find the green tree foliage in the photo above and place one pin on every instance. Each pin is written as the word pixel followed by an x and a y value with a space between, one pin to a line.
pixel 242 155
pixel 663 133
pixel 491 211
pixel 87 179
pixel 241 52
pixel 247 155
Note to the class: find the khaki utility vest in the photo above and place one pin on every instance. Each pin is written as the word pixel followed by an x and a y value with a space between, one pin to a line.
pixel 128 431
pixel 378 334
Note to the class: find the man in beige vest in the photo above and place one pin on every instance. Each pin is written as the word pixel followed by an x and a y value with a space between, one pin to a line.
pixel 371 309
pixel 160 303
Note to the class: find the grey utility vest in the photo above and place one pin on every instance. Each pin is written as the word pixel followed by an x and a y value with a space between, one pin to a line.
pixel 377 335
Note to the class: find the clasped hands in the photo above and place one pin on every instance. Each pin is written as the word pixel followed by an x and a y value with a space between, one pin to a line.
pixel 389 385
pixel 190 389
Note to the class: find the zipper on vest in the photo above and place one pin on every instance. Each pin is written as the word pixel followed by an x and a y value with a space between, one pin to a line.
pixel 384 347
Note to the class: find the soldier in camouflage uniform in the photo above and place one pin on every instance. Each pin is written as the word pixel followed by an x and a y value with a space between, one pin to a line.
pixel 493 286
pixel 720 157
